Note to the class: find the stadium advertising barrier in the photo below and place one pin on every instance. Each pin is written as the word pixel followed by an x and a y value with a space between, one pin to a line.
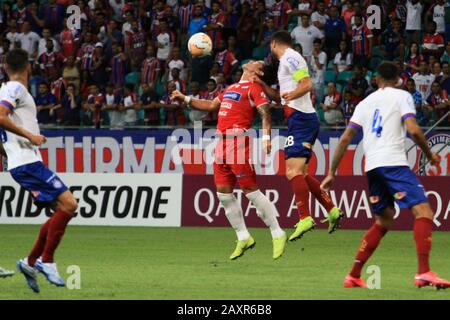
pixel 202 208
pixel 190 151
pixel 104 199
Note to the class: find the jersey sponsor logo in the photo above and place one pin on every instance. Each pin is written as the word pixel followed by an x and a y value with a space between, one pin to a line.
pixel 231 95
pixel 226 105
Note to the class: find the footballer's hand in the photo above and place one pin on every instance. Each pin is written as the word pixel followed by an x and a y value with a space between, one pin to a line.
pixel 435 158
pixel 177 95
pixel 37 139
pixel 326 183
pixel 288 96
pixel 267 145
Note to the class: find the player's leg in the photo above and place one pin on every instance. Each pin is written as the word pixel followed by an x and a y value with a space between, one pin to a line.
pixel 423 226
pixel 383 205
pixel 225 180
pixel 296 168
pixel 335 215
pixel 66 206
pixel 265 209
pixel 409 193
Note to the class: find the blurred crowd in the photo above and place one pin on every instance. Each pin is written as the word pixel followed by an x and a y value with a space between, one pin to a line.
pixel 118 66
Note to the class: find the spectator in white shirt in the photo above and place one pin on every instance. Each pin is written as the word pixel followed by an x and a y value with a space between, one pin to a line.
pixel 12 35
pixel 317 68
pixel 305 34
pixel 343 59
pixel 414 10
pixel 437 13
pixel 29 41
pixel 319 17
pixel 46 34
pixel 423 80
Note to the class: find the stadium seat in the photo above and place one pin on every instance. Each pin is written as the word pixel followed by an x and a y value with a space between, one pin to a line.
pixel 374 62
pixel 330 65
pixel 259 53
pixel 344 77
pixel 132 78
pixel 376 52
pixel 330 76
pixel 244 62
pixel 160 88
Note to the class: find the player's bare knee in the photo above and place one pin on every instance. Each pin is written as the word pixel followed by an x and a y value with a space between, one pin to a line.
pixel 423 210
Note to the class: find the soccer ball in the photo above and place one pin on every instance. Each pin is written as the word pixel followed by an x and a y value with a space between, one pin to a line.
pixel 200 44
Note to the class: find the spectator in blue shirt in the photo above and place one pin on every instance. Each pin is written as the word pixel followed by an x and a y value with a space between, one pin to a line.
pixel 71 103
pixel 198 22
pixel 45 105
pixel 417 97
pixel 334 31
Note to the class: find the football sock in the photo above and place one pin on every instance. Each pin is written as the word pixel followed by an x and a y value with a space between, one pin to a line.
pixel 368 245
pixel 301 191
pixel 233 212
pixel 323 196
pixel 422 236
pixel 39 245
pixel 266 211
pixel 56 230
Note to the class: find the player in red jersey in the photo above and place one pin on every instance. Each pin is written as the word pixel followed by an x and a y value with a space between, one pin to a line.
pixel 237 107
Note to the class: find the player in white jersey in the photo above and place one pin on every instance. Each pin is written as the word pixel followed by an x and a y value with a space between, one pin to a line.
pixel 21 137
pixel 384 118
pixel 303 129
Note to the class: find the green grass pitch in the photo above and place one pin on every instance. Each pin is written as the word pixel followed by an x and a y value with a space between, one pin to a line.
pixel 192 263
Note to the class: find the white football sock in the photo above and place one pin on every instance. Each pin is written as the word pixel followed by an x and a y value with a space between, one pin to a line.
pixel 266 211
pixel 233 212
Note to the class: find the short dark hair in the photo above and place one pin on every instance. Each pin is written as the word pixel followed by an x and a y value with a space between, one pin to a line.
pixel 17 60
pixel 388 71
pixel 282 37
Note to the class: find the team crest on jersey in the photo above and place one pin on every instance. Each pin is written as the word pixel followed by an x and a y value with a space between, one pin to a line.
pixel 231 95
pixel 293 62
pixel 57 184
pixel 440 144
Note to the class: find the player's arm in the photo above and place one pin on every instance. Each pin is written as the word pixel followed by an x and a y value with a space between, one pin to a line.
pixel 342 146
pixel 304 86
pixel 198 104
pixel 7 124
pixel 418 137
pixel 271 92
pixel 266 118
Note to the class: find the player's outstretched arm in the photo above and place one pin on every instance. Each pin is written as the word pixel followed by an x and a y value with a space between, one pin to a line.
pixel 418 137
pixel 271 92
pixel 304 86
pixel 264 111
pixel 7 124
pixel 344 141
pixel 199 104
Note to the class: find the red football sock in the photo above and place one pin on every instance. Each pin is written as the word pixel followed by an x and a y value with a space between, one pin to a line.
pixel 323 196
pixel 39 245
pixel 56 230
pixel 422 236
pixel 370 242
pixel 301 191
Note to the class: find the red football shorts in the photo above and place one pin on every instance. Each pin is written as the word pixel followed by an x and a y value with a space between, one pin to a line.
pixel 233 163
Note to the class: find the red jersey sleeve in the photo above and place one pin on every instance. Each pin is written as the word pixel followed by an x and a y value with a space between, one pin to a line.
pixel 220 97
pixel 287 7
pixel 258 96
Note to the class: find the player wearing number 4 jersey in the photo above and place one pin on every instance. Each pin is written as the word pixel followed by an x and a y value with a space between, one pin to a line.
pixel 21 138
pixel 384 117
pixel 303 129
pixel 237 106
